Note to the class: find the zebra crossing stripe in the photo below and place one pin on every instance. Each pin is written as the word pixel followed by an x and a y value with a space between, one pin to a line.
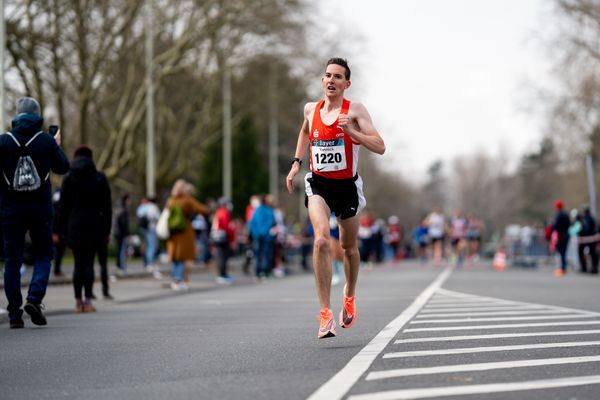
pixel 340 383
pixel 397 373
pixel 488 349
pixel 481 314
pixel 496 336
pixel 414 394
pixel 479 299
pixel 501 326
pixel 455 320
pixel 454 303
pixel 483 308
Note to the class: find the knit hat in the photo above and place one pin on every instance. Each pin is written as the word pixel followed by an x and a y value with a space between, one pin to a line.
pixel 83 150
pixel 558 204
pixel 28 105
pixel 223 201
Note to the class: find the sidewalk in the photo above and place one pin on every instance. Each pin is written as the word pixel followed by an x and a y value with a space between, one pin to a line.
pixel 137 286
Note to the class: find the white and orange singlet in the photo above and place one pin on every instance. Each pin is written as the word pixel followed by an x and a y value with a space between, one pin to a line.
pixel 333 153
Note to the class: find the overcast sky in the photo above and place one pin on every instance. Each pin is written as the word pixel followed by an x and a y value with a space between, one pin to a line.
pixel 443 78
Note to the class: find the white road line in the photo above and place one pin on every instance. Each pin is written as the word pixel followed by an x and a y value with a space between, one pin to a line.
pixel 448 292
pixel 413 394
pixel 488 349
pixel 340 383
pixel 452 306
pixel 484 308
pixel 397 373
pixel 477 314
pixel 465 302
pixel 463 299
pixel 455 320
pixel 478 299
pixel 496 336
pixel 501 326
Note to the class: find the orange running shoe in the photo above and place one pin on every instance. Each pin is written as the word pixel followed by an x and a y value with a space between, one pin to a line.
pixel 559 273
pixel 348 314
pixel 327 325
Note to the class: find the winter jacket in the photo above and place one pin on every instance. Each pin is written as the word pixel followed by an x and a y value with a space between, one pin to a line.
pixel 262 221
pixel 222 223
pixel 85 204
pixel 181 245
pixel 122 223
pixel 561 225
pixel 46 155
pixel 588 224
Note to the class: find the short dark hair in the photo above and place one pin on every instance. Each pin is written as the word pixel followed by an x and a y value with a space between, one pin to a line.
pixel 341 62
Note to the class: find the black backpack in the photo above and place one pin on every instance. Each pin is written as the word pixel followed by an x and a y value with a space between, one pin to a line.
pixel 26 178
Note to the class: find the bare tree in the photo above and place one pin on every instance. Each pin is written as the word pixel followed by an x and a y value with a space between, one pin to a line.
pixel 83 60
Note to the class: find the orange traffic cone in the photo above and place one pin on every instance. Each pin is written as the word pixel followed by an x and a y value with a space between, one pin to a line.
pixel 500 260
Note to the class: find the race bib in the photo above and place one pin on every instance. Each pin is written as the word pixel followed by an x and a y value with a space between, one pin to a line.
pixel 328 155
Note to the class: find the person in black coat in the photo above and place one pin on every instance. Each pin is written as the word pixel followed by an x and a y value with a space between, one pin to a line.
pixel 561 227
pixel 57 238
pixel 588 228
pixel 27 207
pixel 121 233
pixel 85 220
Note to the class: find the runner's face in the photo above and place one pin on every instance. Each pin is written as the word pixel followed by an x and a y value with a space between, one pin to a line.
pixel 334 80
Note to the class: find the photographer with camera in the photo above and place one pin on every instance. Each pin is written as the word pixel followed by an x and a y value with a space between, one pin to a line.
pixel 27 156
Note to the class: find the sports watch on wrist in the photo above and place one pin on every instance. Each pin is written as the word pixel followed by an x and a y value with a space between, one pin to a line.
pixel 298 160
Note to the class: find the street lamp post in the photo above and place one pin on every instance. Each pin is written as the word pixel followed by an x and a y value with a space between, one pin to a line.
pixel 227 133
pixel 591 184
pixel 273 134
pixel 150 155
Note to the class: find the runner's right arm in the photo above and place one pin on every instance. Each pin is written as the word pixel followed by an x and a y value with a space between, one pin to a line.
pixel 301 147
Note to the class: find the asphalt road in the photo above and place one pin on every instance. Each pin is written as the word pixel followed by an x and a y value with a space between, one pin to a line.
pixel 259 341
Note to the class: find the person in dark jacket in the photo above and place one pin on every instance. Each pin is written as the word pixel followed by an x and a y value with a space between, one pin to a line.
pixel 23 211
pixel 122 233
pixel 561 227
pixel 85 220
pixel 57 238
pixel 588 228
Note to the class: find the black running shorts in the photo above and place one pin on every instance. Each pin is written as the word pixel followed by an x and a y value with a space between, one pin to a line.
pixel 343 196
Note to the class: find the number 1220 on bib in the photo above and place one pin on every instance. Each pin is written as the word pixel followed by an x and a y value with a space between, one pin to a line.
pixel 328 155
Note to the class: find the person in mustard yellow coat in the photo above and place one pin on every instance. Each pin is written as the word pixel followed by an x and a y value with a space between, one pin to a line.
pixel 180 245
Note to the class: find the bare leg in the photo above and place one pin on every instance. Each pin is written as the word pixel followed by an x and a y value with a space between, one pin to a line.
pixel 318 212
pixel 187 272
pixel 348 235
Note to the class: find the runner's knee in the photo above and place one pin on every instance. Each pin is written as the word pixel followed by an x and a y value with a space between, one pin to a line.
pixel 350 250
pixel 321 244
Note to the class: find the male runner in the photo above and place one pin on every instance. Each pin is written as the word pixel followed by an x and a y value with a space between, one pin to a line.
pixel 334 129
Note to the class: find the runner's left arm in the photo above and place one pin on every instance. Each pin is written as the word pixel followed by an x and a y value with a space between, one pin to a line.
pixel 365 133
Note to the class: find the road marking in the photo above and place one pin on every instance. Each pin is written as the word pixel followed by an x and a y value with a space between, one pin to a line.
pixel 485 308
pixel 397 373
pixel 448 292
pixel 340 383
pixel 412 394
pixel 488 349
pixel 496 336
pixel 475 300
pixel 479 298
pixel 501 326
pixel 453 302
pixel 477 314
pixel 455 320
